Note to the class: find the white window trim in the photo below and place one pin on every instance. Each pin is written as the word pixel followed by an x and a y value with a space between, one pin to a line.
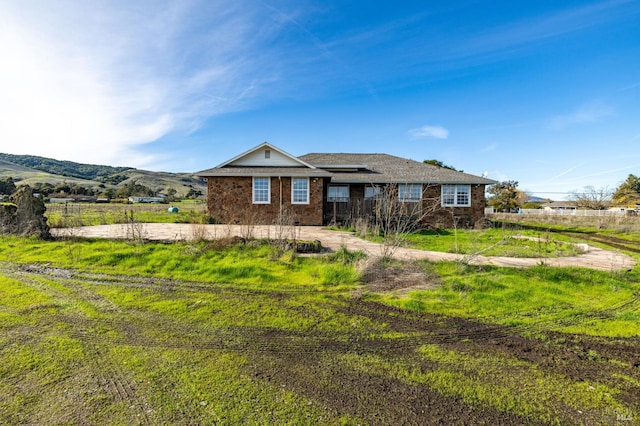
pixel 253 190
pixel 410 200
pixel 292 193
pixel 455 196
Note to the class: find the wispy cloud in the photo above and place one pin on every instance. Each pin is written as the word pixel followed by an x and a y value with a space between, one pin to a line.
pixel 587 113
pixel 563 173
pixel 93 81
pixel 491 147
pixel 435 132
pixel 533 29
pixel 629 87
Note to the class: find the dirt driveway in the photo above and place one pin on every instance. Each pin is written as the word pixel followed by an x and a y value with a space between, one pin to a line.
pixel 594 258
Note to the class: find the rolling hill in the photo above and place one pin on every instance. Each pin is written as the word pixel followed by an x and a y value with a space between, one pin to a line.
pixel 30 170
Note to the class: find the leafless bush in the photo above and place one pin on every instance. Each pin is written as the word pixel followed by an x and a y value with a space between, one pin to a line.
pixel 135 231
pixel 396 218
pixel 199 232
pixel 248 221
pixel 286 233
pixel 364 226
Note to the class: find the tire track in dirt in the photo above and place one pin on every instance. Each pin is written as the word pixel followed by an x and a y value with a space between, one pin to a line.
pixel 293 358
pixel 111 376
pixel 115 382
pixel 422 327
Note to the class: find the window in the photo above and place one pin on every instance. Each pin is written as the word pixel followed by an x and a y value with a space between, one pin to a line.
pixel 261 190
pixel 456 195
pixel 338 193
pixel 371 192
pixel 267 154
pixel 300 191
pixel 410 192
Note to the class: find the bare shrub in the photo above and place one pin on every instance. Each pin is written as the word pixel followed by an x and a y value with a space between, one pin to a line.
pixel 286 227
pixel 199 232
pixel 286 233
pixel 135 231
pixel 395 218
pixel 73 250
pixel 248 221
pixel 364 226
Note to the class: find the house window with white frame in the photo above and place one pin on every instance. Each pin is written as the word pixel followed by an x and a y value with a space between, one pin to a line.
pixel 456 195
pixel 410 192
pixel 300 191
pixel 338 193
pixel 261 190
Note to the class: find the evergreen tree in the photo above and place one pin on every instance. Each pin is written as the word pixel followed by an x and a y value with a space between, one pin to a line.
pixel 628 193
pixel 505 195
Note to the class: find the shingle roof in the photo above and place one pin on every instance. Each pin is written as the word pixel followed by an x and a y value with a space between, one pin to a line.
pixel 385 168
pixel 264 171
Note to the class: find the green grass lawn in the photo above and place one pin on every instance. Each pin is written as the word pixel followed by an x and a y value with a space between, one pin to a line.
pixel 540 298
pixel 494 242
pixel 114 332
pixel 489 242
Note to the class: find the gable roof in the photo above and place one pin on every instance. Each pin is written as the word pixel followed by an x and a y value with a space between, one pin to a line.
pixel 256 162
pixel 385 168
pixel 261 147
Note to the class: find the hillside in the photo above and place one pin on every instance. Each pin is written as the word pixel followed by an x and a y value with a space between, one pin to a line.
pixel 63 168
pixel 32 170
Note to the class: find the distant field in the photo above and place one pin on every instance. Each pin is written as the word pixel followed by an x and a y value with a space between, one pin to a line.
pixel 62 215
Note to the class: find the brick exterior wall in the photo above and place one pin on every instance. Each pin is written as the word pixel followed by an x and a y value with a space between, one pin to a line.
pixel 466 217
pixel 229 200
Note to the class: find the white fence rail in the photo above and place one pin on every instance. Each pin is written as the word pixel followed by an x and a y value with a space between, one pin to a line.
pixel 568 212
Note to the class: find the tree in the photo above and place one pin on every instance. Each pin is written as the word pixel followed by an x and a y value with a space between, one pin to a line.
pixel 44 188
pixel 592 198
pixel 7 186
pixel 110 193
pixel 171 195
pixel 193 193
pixel 505 196
pixel 134 189
pixel 439 163
pixel 628 193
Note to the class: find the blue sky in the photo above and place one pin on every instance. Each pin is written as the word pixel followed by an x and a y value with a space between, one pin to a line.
pixel 545 93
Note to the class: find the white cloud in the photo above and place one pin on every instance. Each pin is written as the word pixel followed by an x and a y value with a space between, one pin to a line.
pixel 436 132
pixel 93 81
pixel 587 113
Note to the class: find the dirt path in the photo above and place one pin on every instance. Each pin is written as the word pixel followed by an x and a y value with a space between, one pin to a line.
pixel 594 258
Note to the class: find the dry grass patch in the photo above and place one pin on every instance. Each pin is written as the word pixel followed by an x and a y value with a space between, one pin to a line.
pixel 379 275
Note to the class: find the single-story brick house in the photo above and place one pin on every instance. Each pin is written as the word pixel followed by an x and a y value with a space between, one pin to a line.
pixel 258 185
